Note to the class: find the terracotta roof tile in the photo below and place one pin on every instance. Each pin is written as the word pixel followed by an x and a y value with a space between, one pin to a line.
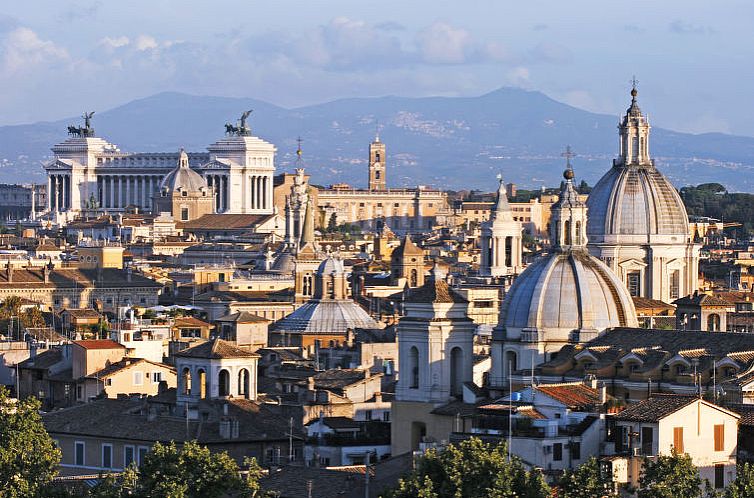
pixel 216 349
pixel 572 395
pixel 99 344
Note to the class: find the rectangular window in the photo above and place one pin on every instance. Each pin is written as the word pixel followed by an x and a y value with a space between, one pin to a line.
pixel 156 377
pixel 79 456
pixel 647 438
pixel 386 416
pixel 138 378
pixel 576 451
pixel 719 476
pixel 143 450
pixel 368 414
pixel 634 283
pixel 184 214
pixel 79 392
pixel 719 437
pixel 675 284
pixel 128 456
pixel 557 452
pixel 678 439
pixel 107 456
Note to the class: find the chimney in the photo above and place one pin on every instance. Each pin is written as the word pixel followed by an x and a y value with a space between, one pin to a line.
pixel 46 274
pixel 603 394
pixel 378 397
pixel 9 272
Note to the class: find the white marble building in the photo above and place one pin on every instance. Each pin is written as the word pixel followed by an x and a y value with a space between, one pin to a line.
pixel 88 170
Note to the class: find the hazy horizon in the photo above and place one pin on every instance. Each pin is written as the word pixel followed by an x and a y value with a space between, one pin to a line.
pixel 691 58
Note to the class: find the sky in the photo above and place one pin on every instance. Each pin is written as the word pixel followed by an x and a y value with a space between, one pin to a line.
pixel 692 58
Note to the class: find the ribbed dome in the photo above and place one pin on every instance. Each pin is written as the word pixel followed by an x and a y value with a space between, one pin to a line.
pixel 183 177
pixel 326 317
pixel 568 290
pixel 635 200
pixel 331 266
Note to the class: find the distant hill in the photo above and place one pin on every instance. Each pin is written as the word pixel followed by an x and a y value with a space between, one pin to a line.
pixel 445 142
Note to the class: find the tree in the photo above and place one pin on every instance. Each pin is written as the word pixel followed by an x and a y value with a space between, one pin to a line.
pixel 28 456
pixel 743 486
pixel 586 481
pixel 471 469
pixel 187 472
pixel 332 224
pixel 670 476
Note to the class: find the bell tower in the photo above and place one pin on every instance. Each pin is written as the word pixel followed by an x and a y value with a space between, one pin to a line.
pixel 377 167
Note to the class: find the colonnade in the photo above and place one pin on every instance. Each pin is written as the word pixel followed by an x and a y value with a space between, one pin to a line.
pixel 59 192
pixel 119 191
pixel 261 192
pixel 220 183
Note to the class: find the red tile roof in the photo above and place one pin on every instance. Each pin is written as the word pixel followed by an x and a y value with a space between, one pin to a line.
pixel 573 395
pixel 99 344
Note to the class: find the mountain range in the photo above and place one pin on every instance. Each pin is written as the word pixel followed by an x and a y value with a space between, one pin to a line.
pixel 442 142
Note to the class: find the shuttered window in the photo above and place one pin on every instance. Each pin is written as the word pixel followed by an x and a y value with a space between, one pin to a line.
pixel 678 439
pixel 719 437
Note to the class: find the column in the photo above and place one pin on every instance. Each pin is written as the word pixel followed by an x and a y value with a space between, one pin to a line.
pixel 270 195
pixel 254 198
pixel 66 197
pixel 127 178
pixel 49 192
pixel 120 192
pixel 111 193
pixel 226 193
pixel 264 193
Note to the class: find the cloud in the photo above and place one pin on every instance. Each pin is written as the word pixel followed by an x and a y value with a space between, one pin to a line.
pixel 683 28
pixel 80 11
pixel 633 28
pixel 441 43
pixel 21 49
pixel 548 52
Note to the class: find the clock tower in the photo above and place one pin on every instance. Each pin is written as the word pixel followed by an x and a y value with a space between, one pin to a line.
pixel 377 168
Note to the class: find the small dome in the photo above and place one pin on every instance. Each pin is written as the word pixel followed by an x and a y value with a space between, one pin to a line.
pixel 635 200
pixel 567 291
pixel 183 177
pixel 285 262
pixel 331 266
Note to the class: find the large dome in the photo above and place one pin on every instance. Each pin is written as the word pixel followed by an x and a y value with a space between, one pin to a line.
pixel 183 177
pixel 567 291
pixel 635 200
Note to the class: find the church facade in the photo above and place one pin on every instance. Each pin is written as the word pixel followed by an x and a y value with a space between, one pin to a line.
pixel 89 172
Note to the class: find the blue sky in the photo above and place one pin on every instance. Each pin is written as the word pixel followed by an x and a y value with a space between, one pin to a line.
pixel 693 58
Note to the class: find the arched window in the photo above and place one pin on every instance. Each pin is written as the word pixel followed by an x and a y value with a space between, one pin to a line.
pixel 567 232
pixel 202 383
pixel 456 371
pixel 377 175
pixel 511 363
pixel 243 383
pixel 414 280
pixel 713 323
pixel 413 366
pixel 186 381
pixel 578 233
pixel 223 383
pixel 377 157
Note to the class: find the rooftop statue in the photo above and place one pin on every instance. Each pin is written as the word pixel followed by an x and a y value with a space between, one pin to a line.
pixel 83 131
pixel 241 129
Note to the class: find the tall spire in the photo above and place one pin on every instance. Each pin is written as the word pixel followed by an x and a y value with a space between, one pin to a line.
pixel 307 234
pixel 501 201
